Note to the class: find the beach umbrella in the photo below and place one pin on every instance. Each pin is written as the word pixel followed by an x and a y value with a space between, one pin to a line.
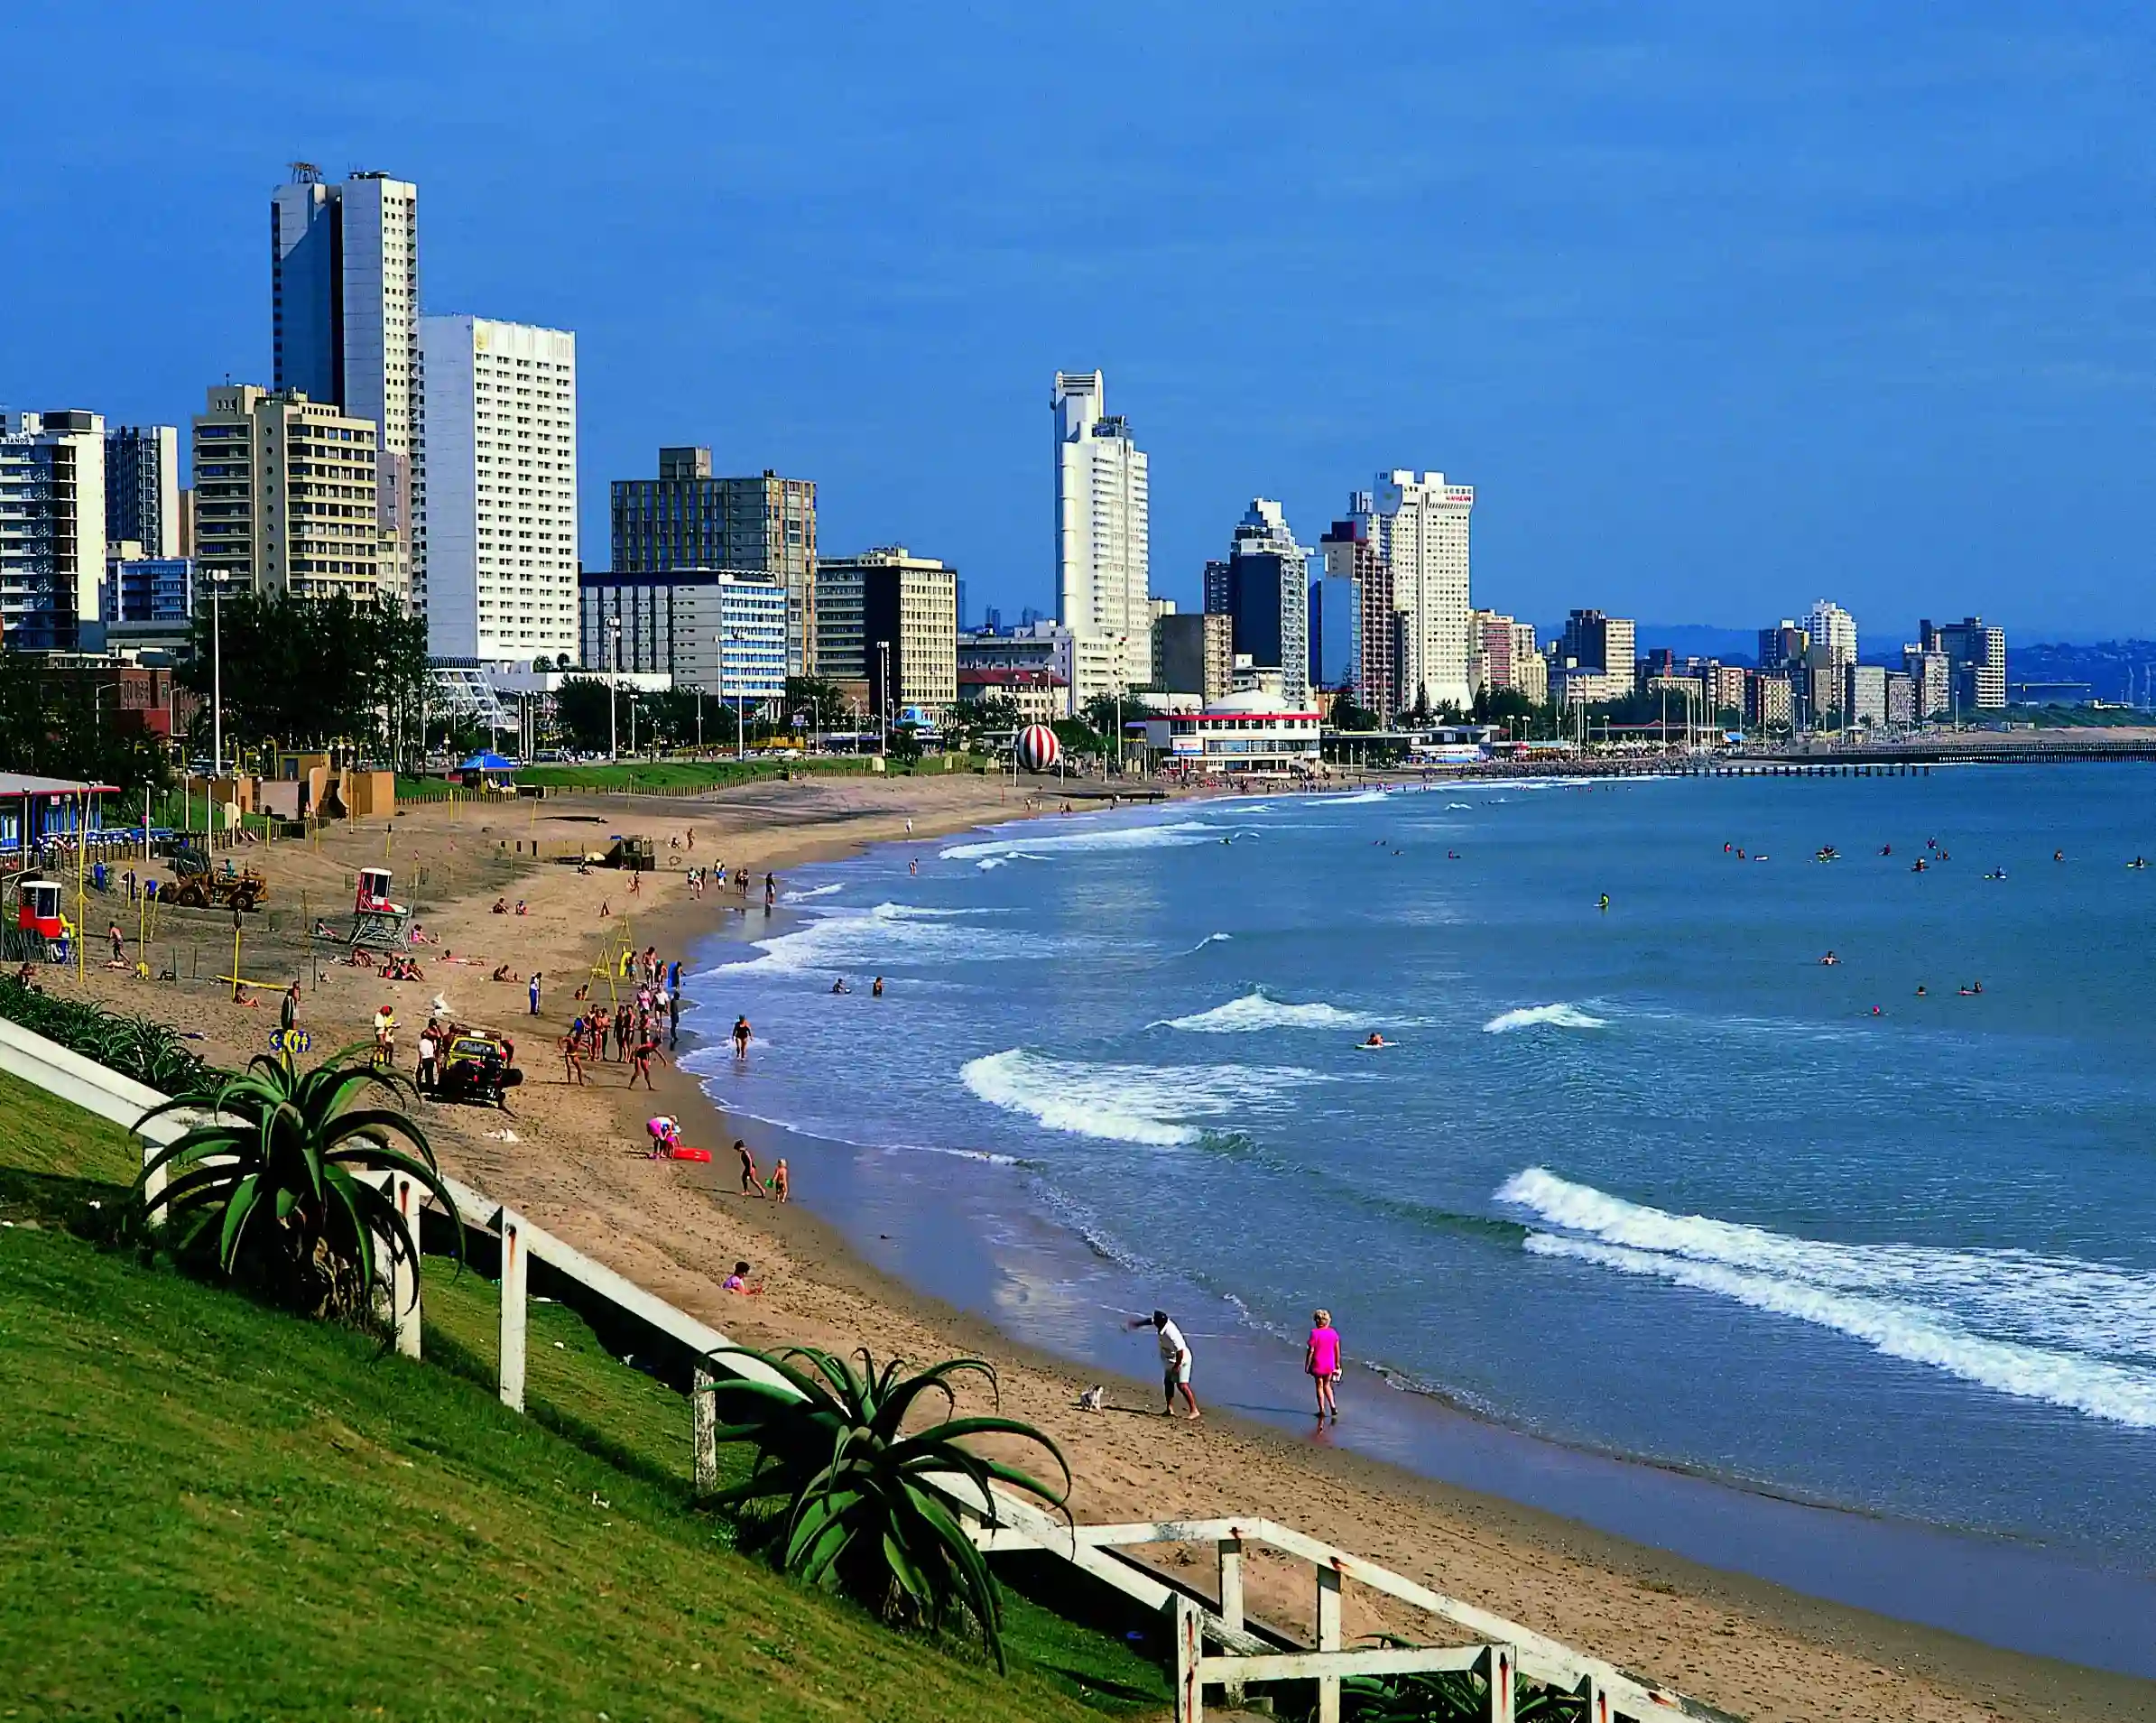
pixel 1038 749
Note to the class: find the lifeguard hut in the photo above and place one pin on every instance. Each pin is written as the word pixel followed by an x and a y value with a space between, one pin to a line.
pixel 39 920
pixel 377 919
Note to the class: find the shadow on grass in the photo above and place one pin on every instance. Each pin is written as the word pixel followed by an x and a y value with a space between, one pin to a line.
pixel 90 1208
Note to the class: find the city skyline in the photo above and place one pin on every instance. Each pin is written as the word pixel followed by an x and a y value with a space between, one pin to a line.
pixel 1892 348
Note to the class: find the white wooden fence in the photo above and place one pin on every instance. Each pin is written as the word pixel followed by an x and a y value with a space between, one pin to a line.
pixel 1001 1522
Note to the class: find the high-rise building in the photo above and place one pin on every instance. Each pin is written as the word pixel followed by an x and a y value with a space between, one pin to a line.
pixel 1421 529
pixel 51 527
pixel 1263 589
pixel 1978 655
pixel 1352 556
pixel 141 488
pixel 1863 695
pixel 1930 673
pixel 1103 538
pixel 501 435
pixel 1193 654
pixel 1333 664
pixel 285 494
pixel 1828 657
pixel 345 332
pixel 887 608
pixel 140 587
pixel 1782 647
pixel 686 518
pixel 1594 660
pixel 720 630
pixel 1530 669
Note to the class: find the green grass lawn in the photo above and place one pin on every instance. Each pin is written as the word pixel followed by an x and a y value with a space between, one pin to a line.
pixel 679 776
pixel 212 1511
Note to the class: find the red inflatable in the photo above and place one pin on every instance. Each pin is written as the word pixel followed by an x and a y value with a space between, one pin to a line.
pixel 1038 749
pixel 690 1154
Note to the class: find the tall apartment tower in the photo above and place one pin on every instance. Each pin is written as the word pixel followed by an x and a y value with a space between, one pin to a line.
pixel 1976 659
pixel 1103 538
pixel 890 618
pixel 51 527
pixel 345 322
pixel 1265 590
pixel 501 440
pixel 141 488
pixel 686 519
pixel 1830 654
pixel 285 494
pixel 1422 534
pixel 1352 556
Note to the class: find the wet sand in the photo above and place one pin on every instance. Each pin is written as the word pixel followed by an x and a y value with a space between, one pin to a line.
pixel 1749 1647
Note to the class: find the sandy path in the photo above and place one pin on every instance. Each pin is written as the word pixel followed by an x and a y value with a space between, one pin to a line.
pixel 1750 1648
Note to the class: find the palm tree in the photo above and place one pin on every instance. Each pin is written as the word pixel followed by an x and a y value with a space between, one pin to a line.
pixel 274 1172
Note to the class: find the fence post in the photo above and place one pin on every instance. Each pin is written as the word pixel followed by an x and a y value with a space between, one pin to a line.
pixel 1328 1639
pixel 1594 1701
pixel 1498 1664
pixel 1189 1646
pixel 1231 1600
pixel 703 1412
pixel 514 1279
pixel 154 1186
pixel 404 1274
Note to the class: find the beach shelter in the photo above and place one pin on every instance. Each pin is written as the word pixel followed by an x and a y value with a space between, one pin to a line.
pixel 485 769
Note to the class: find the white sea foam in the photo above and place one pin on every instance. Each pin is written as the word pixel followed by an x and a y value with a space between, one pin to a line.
pixel 2069 1332
pixel 1210 939
pixel 890 934
pixel 1358 798
pixel 1557 1016
pixel 813 890
pixel 1466 805
pixel 1253 1011
pixel 1157 1107
pixel 1172 836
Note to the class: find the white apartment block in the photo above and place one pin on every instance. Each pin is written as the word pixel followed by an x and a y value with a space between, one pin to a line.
pixel 501 533
pixel 1423 534
pixel 1830 655
pixel 1103 539
pixel 344 310
pixel 719 630
pixel 51 527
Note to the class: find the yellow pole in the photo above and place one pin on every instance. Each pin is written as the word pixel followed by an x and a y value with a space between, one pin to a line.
pixel 235 960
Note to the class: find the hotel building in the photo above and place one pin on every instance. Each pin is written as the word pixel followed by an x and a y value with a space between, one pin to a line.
pixel 1103 538
pixel 141 488
pixel 51 527
pixel 286 495
pixel 884 610
pixel 1421 531
pixel 720 630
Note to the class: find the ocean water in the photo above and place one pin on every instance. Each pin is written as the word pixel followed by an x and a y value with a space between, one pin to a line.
pixel 1650 1180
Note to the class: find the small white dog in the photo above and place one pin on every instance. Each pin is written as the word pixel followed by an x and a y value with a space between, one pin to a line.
pixel 1094 1399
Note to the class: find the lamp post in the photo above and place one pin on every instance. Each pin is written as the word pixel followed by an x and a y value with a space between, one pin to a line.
pixel 884 698
pixel 217 675
pixel 613 681
pixel 740 704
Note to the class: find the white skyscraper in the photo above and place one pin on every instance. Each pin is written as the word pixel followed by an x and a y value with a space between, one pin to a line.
pixel 51 527
pixel 501 440
pixel 1421 525
pixel 345 306
pixel 1102 538
pixel 1830 655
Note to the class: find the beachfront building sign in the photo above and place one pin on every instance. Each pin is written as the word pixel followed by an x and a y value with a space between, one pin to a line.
pixel 1240 735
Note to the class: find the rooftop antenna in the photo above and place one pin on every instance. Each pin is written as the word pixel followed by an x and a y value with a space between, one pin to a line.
pixel 305 173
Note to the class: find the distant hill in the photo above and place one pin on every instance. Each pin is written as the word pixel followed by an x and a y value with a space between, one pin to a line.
pixel 1696 640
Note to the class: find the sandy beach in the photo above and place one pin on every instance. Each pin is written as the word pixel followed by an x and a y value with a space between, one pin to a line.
pixel 576 1166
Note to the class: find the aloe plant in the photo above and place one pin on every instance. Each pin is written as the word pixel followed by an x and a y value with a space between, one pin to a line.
pixel 861 1508
pixel 269 1180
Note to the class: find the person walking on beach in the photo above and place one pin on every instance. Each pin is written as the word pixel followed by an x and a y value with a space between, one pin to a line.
pixel 572 1063
pixel 748 1170
pixel 429 1040
pixel 531 987
pixel 640 1060
pixel 771 892
pixel 777 1179
pixel 741 1037
pixel 287 1011
pixel 1175 1362
pixel 1321 1362
pixel 674 1017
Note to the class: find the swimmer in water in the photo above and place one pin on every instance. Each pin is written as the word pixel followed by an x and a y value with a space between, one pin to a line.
pixel 1920 989
pixel 1604 903
pixel 1452 855
pixel 1877 1013
pixel 1829 960
pixel 2058 855
pixel 1886 849
pixel 839 986
pixel 1375 1040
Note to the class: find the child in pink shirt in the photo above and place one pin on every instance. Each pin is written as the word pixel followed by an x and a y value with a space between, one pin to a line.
pixel 1321 1362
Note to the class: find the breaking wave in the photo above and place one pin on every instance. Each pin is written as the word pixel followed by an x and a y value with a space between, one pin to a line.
pixel 1174 836
pixel 1253 1011
pixel 2075 1334
pixel 1157 1107
pixel 1557 1016
pixel 813 890
pixel 894 934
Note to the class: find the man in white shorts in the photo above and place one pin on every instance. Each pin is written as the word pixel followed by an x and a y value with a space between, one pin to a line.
pixel 1175 1361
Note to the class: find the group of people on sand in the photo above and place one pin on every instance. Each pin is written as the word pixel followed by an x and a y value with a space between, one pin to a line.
pixel 1321 1361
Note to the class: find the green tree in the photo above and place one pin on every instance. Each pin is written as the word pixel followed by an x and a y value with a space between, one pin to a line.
pixel 1347 716
pixel 817 700
pixel 580 713
pixel 64 728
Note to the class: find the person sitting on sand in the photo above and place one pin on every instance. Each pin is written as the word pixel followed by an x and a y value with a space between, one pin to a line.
pixel 501 906
pixel 738 1280
pixel 501 973
pixel 520 909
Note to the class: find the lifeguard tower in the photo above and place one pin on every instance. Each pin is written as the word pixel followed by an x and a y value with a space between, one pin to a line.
pixel 40 929
pixel 376 918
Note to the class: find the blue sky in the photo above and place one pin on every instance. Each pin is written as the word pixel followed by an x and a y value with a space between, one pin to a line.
pixel 1721 308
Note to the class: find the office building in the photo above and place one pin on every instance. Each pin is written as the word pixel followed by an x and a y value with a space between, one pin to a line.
pixel 1931 681
pixel 1593 663
pixel 1035 645
pixel 501 434
pixel 345 332
pixel 145 588
pixel 1976 656
pixel 1831 633
pixel 686 518
pixel 285 494
pixel 719 630
pixel 1103 538
pixel 1503 657
pixel 142 489
pixel 1768 700
pixel 1421 531
pixel 1193 654
pixel 1263 589
pixel 889 619
pixel 1901 701
pixel 51 527
pixel 1864 697
pixel 1352 561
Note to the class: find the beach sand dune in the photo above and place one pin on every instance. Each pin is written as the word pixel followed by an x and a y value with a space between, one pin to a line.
pixel 1753 1649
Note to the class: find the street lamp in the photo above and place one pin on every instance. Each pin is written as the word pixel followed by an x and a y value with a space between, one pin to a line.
pixel 884 697
pixel 613 681
pixel 741 699
pixel 217 675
